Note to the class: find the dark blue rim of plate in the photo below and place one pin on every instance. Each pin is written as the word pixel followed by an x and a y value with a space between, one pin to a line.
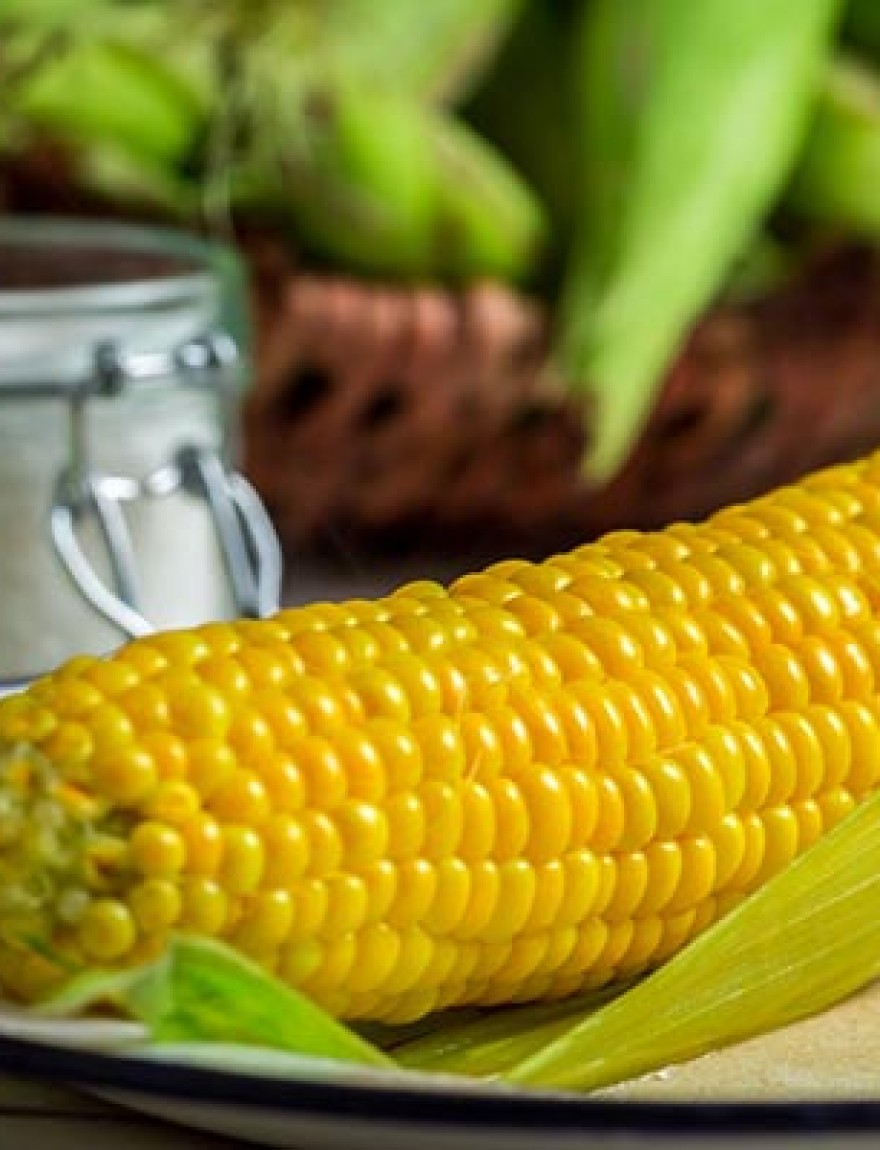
pixel 410 1106
pixel 12 686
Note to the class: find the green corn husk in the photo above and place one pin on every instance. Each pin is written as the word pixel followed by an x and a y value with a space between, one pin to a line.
pixel 350 176
pixel 693 115
pixel 110 92
pixel 489 1044
pixel 837 177
pixel 202 991
pixel 487 221
pixel 383 185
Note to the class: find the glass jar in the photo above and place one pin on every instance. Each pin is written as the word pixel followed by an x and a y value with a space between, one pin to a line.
pixel 123 358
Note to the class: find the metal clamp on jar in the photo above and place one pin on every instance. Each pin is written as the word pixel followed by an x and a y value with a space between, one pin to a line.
pixel 123 356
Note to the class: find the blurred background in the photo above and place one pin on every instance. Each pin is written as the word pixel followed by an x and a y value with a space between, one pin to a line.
pixel 520 271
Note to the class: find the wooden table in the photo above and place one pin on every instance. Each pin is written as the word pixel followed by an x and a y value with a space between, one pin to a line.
pixel 42 1116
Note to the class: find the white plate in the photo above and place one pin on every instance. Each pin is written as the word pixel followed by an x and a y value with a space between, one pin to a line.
pixel 353 1109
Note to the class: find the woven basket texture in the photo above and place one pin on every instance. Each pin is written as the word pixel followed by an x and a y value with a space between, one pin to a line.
pixel 402 419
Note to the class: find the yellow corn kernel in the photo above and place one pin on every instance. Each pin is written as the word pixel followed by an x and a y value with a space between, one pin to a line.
pixel 198 710
pixel 172 801
pixel 483 756
pixel 729 838
pixel 227 675
pixel 611 818
pixel 451 896
pixel 863 726
pixel 415 891
pixel 156 905
pixel 698 873
pixel 536 708
pixel 705 787
pixel 483 902
pixel 441 748
pixel 145 703
pixel 543 778
pixel 157 850
pixel 203 843
pixel 378 949
pixel 242 797
pixel 325 847
pixel 204 905
pixel 284 783
pixel 781 839
pixel 630 888
pixel 550 879
pixel 106 930
pixel 363 833
pixel 381 880
pixel 242 860
pixel 169 753
pixel 444 821
pixel 347 905
pixel 209 763
pixel 478 823
pixel 126 776
pixel 664 862
pixel 250 736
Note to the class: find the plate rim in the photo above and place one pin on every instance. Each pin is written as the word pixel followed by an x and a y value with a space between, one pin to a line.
pixel 407 1105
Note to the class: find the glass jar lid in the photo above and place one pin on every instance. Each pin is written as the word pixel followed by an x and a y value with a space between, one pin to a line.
pixel 124 349
pixel 71 289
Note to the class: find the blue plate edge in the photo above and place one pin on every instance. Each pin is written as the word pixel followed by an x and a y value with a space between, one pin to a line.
pixel 24 1058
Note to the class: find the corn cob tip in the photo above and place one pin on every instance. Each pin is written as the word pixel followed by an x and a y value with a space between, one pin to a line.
pixel 51 852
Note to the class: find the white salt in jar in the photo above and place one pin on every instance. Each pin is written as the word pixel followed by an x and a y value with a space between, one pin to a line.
pixel 122 362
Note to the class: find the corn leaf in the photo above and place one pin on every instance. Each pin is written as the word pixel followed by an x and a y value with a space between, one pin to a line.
pixel 384 185
pixel 111 92
pixel 489 1043
pixel 804 941
pixel 203 991
pixel 693 114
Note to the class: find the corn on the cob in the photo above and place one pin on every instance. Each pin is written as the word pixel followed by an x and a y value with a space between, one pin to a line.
pixel 542 778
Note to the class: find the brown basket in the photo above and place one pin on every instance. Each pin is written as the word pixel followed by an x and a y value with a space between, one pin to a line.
pixel 393 418
pixel 425 420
